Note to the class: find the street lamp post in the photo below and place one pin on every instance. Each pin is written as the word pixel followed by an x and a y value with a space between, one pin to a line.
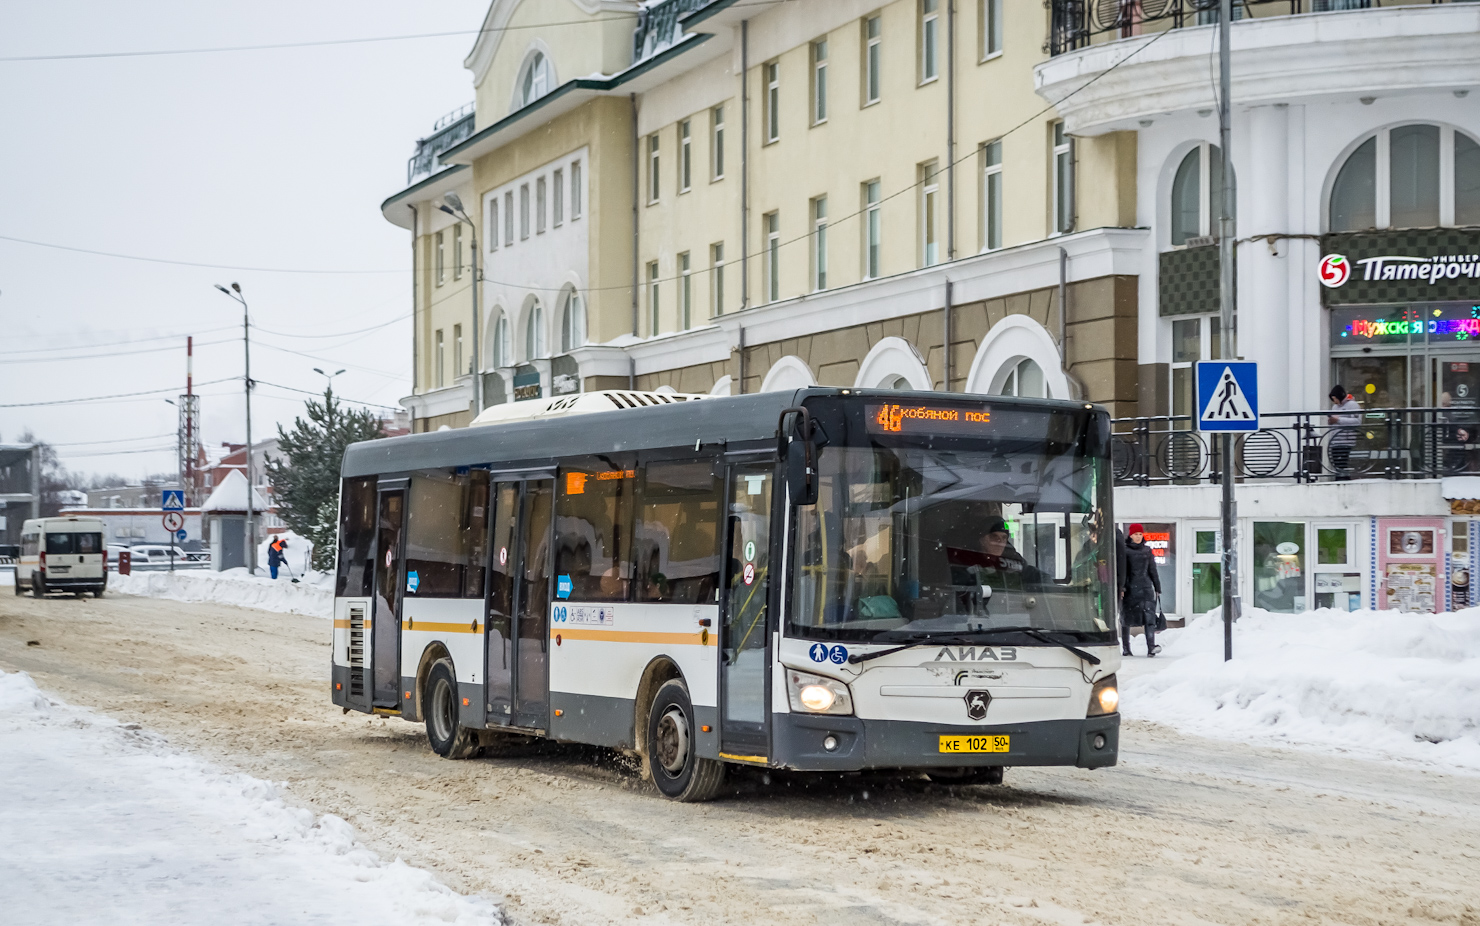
pixel 235 292
pixel 328 397
pixel 452 205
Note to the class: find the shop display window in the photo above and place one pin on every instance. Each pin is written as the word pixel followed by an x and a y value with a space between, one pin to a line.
pixel 1207 570
pixel 1279 566
pixel 1337 583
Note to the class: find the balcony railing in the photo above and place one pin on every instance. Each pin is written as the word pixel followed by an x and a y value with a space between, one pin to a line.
pixel 1302 447
pixel 451 129
pixel 1075 24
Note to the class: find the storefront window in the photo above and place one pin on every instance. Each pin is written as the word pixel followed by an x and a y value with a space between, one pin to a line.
pixel 1207 571
pixel 1162 539
pixel 1405 356
pixel 1338 585
pixel 1279 566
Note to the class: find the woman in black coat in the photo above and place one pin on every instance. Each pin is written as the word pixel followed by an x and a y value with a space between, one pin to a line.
pixel 1140 587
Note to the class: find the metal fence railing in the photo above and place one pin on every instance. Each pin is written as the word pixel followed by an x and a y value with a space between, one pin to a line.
pixel 1388 443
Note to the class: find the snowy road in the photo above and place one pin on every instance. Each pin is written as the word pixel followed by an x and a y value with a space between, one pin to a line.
pixel 1185 830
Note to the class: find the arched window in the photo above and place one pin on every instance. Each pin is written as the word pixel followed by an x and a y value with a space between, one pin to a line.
pixel 1025 379
pixel 535 80
pixel 1395 179
pixel 498 343
pixel 572 322
pixel 895 382
pixel 534 333
pixel 1197 193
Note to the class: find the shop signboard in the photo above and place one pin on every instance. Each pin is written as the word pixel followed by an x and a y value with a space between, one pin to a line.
pixel 1400 266
pixel 1410 561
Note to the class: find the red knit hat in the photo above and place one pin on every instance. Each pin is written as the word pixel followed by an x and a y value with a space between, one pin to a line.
pixel 1135 529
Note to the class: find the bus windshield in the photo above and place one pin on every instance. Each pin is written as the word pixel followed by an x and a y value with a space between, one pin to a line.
pixel 946 531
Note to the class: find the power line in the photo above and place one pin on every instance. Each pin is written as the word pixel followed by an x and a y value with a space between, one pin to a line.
pixel 116 353
pixel 116 395
pixel 337 334
pixel 121 440
pixel 151 338
pixel 99 453
pixel 261 382
pixel 318 44
pixel 181 263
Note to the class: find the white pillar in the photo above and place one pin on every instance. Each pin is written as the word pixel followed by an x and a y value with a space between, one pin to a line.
pixel 1268 332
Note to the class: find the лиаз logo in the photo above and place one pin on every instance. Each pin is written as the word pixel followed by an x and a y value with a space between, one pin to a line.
pixel 1335 270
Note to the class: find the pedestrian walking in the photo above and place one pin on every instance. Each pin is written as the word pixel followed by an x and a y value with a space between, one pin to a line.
pixel 1345 415
pixel 276 555
pixel 1140 587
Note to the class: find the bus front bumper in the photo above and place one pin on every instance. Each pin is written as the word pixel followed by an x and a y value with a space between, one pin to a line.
pixel 800 742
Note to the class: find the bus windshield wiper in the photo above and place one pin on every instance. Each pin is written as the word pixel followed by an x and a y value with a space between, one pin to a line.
pixel 971 637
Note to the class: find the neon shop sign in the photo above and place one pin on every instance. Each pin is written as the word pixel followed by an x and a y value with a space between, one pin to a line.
pixel 1412 323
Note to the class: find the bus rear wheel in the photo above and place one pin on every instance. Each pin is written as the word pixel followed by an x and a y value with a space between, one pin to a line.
pixel 448 737
pixel 671 757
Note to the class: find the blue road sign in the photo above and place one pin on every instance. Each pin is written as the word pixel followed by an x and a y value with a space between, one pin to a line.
pixel 174 500
pixel 180 535
pixel 1227 395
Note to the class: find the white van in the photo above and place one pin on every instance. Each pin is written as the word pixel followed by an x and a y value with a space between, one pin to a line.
pixel 62 554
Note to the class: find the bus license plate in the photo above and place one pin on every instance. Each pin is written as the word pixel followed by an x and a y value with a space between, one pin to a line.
pixel 975 744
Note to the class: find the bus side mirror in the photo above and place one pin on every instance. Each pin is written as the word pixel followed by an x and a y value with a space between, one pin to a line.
pixel 797 447
pixel 1097 437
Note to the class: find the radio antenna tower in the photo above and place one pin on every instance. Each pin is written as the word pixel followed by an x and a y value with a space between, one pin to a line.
pixel 188 437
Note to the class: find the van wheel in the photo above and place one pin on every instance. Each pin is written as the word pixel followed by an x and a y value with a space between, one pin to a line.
pixel 38 586
pixel 670 755
pixel 97 593
pixel 17 585
pixel 449 738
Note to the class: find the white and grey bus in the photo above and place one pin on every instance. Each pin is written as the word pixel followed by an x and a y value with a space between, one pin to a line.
pixel 827 579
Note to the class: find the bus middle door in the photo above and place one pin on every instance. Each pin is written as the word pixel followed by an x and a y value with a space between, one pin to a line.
pixel 503 567
pixel 744 636
pixel 390 571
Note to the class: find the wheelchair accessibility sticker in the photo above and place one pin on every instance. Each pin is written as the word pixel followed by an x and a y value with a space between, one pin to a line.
pixel 584 615
pixel 820 652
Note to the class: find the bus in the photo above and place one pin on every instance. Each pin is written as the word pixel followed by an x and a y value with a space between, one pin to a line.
pixel 816 580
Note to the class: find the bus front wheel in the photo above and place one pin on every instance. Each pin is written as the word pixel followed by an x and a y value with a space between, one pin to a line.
pixel 448 737
pixel 671 756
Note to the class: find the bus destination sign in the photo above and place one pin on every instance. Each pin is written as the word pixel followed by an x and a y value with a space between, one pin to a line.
pixel 927 419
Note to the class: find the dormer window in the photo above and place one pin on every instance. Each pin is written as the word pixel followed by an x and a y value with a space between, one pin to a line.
pixel 536 79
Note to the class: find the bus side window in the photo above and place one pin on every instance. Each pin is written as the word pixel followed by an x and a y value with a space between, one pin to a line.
pixel 356 538
pixel 441 538
pixel 593 527
pixel 676 538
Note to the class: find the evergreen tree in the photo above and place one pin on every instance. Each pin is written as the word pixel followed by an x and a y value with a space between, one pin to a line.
pixel 305 479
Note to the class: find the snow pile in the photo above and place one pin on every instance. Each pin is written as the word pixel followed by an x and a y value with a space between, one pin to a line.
pixel 313 595
pixel 105 823
pixel 1380 684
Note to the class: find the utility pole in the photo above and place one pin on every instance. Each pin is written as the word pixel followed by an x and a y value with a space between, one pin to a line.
pixel 452 205
pixel 1227 317
pixel 235 292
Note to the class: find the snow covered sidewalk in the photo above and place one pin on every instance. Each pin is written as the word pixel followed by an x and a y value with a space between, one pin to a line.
pixel 102 822
pixel 1370 684
pixel 314 595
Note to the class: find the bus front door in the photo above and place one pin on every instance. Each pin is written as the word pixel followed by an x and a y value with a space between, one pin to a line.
pixel 532 621
pixel 503 566
pixel 744 635
pixel 385 630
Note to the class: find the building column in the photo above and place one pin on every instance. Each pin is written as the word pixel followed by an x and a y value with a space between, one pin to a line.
pixel 1267 332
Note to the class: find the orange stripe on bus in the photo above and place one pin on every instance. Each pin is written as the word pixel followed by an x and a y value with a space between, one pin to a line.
pixel 631 636
pixel 432 627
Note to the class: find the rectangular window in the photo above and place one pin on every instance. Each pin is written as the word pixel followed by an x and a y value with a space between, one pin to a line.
pixel 539 206
pixel 441 249
pixel 873 231
pixel 523 211
pixel 575 190
pixel 1063 180
pixel 772 71
pixel 446 531
pixel 772 222
pixel 717 277
pixel 654 175
pixel 819 81
pixel 929 214
pixel 557 189
pixel 490 224
pixel 872 36
pixel 441 361
pixel 653 318
pixel 685 293
pixel 676 537
pixel 717 143
pixel 991 20
pixel 992 195
pixel 457 252
pixel 685 157
pixel 509 218
pixel 457 356
pixel 353 578
pixel 819 243
pixel 929 40
pixel 593 527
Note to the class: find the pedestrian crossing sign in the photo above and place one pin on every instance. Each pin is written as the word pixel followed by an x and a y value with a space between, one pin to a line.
pixel 1227 395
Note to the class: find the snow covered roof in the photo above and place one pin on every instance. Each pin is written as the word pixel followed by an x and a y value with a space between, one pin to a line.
pixel 231 495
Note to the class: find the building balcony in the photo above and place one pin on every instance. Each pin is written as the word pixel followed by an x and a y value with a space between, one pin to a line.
pixel 450 130
pixel 1116 63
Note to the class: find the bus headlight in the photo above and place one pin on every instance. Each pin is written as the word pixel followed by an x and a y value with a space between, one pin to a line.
pixel 813 694
pixel 1104 698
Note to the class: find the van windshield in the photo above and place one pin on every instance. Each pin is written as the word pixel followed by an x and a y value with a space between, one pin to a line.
pixel 73 542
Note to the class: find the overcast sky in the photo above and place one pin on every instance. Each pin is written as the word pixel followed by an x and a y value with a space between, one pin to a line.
pixel 266 159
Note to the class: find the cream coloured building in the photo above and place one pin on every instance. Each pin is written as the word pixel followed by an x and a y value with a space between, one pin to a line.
pixel 733 196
